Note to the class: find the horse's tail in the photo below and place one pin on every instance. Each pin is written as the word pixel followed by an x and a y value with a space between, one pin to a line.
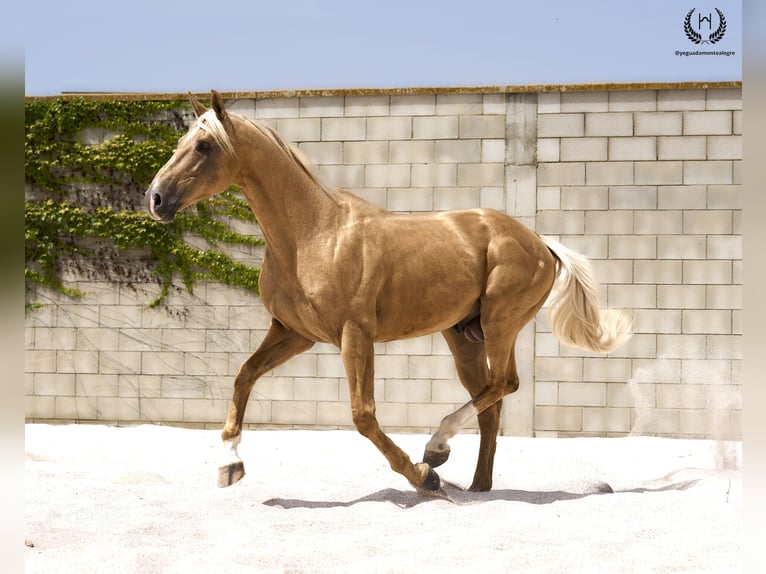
pixel 574 313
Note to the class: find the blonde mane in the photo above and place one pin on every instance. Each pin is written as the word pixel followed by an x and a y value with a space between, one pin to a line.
pixel 210 123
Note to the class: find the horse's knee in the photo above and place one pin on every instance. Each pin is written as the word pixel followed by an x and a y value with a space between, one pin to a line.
pixel 364 421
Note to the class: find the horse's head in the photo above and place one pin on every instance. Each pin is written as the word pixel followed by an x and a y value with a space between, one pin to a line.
pixel 203 164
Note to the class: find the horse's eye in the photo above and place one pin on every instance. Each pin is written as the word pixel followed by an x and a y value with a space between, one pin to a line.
pixel 202 146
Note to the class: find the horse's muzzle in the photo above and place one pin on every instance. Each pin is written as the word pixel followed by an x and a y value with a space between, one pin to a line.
pixel 158 208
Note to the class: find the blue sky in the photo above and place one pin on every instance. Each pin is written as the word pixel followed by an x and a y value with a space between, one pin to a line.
pixel 175 46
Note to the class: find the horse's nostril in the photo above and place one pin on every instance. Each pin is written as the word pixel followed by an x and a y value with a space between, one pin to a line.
pixel 157 200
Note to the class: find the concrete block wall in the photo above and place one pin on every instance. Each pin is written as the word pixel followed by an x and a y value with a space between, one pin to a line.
pixel 645 182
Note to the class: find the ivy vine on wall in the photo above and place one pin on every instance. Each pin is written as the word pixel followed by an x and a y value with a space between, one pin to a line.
pixel 87 165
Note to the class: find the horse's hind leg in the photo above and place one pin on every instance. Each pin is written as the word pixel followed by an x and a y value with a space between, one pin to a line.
pixel 471 362
pixel 279 345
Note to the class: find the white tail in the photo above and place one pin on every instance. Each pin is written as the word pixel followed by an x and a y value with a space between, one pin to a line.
pixel 574 312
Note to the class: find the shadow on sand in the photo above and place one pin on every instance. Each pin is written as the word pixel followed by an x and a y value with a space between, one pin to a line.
pixel 456 495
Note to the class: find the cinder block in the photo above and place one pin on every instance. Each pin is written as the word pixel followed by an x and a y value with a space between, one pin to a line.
pixel 681 396
pixel 639 346
pixel 332 414
pixel 709 322
pixel 706 371
pixel 649 320
pixel 344 129
pixel 549 103
pixel 723 297
pixel 434 127
pixel 676 346
pixel 558 369
pixel 316 389
pixel 483 127
pixel 427 415
pixel 300 129
pixel 707 272
pixel 39 408
pixel 116 316
pixel 458 151
pixel 323 153
pixel 708 172
pixel 707 123
pixel 76 408
pixel 636 395
pixel 392 415
pixel 277 108
pixel 118 409
pixel 389 128
pixel 583 149
pixel 585 198
pixel 680 296
pixel 558 174
pixel 392 367
pixel 77 315
pixel 431 367
pixel 549 199
pixel 493 150
pixel 387 175
pixel 448 391
pixel 546 394
pixel 724 397
pixel 65 338
pixel 724 147
pixel 408 391
pixel 54 384
pixel 724 99
pixel 632 149
pixel 609 173
pixel 409 199
pixel 413 105
pixel 681 247
pixel 632 296
pixel 681 99
pixel 367 106
pixel 322 107
pixel 609 124
pixel 682 197
pixel 723 347
pixel 205 410
pixel 330 366
pixel 558 418
pixel 90 385
pixel 658 124
pixel 548 150
pixel 633 101
pixel 210 364
pixel 724 247
pixel 294 412
pixel 493 104
pixel 584 102
pixel 434 175
pixel 561 125
pixel 153 362
pixel 632 247
pixel 736 122
pixel 561 222
pixel 77 361
pixel 582 394
pixel 608 222
pixel 304 365
pixel 410 151
pixel 657 222
pixel 345 176
pixel 682 147
pixel 724 197
pixel 658 172
pixel 657 272
pixel 610 419
pixel 633 197
pixel 657 371
pixel 481 174
pixel 606 369
pixel 591 246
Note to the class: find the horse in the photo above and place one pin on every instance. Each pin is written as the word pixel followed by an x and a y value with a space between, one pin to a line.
pixel 338 269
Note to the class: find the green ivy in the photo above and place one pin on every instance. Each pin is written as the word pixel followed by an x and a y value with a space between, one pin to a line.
pixel 85 202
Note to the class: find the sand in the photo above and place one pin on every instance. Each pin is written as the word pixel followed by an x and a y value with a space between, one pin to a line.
pixel 144 499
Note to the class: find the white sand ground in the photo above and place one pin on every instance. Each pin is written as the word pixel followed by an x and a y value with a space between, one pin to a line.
pixel 144 499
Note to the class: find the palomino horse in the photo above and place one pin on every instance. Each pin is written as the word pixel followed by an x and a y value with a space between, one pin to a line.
pixel 340 270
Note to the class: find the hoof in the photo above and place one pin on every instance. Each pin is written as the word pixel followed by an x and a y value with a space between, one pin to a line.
pixel 432 483
pixel 436 458
pixel 230 474
pixel 480 487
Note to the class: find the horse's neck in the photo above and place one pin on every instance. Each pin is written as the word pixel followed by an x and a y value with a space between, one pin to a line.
pixel 290 207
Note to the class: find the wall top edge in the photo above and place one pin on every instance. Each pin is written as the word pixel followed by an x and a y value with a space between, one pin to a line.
pixel 509 89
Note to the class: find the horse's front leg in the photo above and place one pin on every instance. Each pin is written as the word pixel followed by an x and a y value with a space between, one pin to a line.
pixel 279 345
pixel 358 358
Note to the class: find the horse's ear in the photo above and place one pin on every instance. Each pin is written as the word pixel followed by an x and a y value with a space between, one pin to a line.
pixel 219 107
pixel 199 109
